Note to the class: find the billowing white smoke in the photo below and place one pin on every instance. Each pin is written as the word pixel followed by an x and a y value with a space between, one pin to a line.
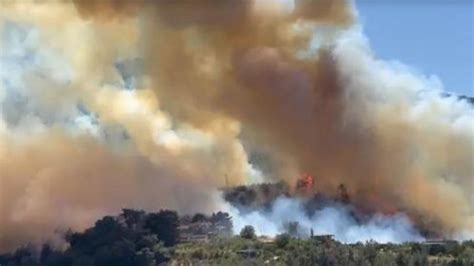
pixel 86 131
pixel 335 220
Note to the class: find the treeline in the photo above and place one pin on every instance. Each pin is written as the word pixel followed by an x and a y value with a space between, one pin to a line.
pixel 132 238
pixel 256 196
pixel 286 250
pixel 136 238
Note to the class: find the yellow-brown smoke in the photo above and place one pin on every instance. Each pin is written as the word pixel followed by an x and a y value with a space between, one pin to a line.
pixel 221 78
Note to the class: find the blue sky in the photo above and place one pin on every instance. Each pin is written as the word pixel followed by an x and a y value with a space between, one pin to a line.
pixel 433 36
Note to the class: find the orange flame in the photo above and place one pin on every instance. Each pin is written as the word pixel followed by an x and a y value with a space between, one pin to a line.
pixel 305 183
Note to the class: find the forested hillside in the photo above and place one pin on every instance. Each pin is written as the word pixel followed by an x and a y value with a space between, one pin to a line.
pixel 139 238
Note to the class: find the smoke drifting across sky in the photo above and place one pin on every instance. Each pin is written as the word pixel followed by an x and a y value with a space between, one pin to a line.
pixel 154 104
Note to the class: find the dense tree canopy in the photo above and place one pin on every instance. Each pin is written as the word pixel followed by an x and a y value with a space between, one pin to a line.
pixel 248 232
pixel 136 238
pixel 132 238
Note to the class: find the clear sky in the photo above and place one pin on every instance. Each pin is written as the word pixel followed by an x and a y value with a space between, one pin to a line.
pixel 433 36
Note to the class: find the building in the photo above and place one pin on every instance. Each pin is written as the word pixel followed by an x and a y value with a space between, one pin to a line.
pixel 202 228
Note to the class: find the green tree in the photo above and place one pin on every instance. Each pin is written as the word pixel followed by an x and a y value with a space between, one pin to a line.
pixel 165 225
pixel 105 232
pixel 117 254
pixel 133 218
pixel 282 240
pixel 199 218
pixel 248 232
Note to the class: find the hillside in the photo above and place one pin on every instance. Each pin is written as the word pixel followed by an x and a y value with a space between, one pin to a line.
pixel 140 238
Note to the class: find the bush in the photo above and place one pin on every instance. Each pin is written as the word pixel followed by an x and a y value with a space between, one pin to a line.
pixel 282 240
pixel 248 232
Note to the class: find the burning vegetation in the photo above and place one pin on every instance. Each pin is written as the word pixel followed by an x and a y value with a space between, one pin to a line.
pixel 261 197
pixel 147 104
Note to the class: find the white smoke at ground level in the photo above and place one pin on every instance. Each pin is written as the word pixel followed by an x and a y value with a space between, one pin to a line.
pixel 334 220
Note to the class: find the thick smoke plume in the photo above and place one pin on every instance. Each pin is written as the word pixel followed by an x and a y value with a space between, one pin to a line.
pixel 155 104
pixel 336 220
